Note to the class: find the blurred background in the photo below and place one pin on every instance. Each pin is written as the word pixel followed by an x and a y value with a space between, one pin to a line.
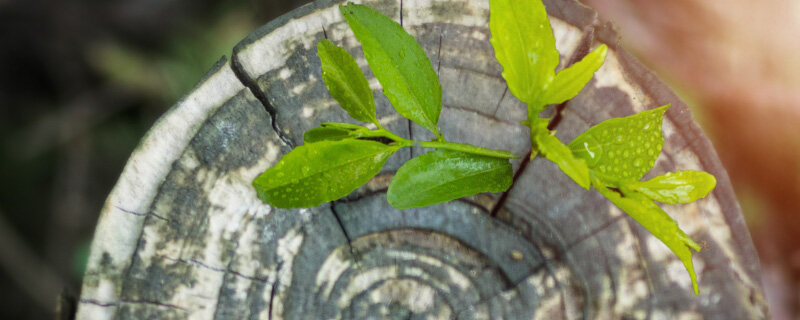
pixel 81 81
pixel 737 64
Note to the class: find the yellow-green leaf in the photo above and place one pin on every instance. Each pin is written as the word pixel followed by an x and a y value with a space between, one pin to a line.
pixel 554 150
pixel 569 82
pixel 658 222
pixel 399 64
pixel 345 82
pixel 524 45
pixel 321 171
pixel 676 187
pixel 622 149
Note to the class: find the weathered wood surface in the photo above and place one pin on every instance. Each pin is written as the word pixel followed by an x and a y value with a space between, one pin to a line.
pixel 183 236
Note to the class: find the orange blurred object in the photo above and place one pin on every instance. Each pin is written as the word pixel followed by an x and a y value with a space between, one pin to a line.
pixel 738 63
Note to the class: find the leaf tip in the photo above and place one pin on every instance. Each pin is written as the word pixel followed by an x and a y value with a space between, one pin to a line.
pixel 585 184
pixel 688 241
pixel 602 50
pixel 347 8
pixel 712 181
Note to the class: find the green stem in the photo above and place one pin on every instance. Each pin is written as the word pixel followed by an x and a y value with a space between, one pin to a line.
pixel 403 142
pixel 532 116
pixel 383 133
pixel 468 149
pixel 534 154
pixel 439 136
pixel 534 123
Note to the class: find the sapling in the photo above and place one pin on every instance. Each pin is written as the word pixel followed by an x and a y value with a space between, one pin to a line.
pixel 612 156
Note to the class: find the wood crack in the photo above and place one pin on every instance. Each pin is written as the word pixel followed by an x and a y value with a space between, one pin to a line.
pixel 144 214
pixel 439 56
pixel 353 252
pixel 503 96
pixel 251 84
pixel 504 196
pixel 227 270
pixel 120 302
pixel 401 13
pixel 274 290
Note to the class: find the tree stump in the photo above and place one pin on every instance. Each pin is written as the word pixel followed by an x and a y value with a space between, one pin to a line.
pixel 183 236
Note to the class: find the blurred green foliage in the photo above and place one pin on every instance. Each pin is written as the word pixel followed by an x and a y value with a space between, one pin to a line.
pixel 168 72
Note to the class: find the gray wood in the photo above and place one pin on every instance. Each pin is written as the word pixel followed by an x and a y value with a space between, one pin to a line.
pixel 183 236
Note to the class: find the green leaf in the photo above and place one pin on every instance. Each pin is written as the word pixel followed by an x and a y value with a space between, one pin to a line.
pixel 442 175
pixel 345 82
pixel 622 149
pixel 325 133
pixel 399 64
pixel 554 150
pixel 343 125
pixel 676 187
pixel 524 45
pixel 658 222
pixel 569 82
pixel 321 171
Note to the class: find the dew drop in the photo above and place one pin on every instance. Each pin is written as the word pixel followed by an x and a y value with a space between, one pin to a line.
pixel 637 162
pixel 620 139
pixel 591 151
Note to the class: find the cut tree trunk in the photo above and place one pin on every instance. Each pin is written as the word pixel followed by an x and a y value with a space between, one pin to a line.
pixel 182 234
